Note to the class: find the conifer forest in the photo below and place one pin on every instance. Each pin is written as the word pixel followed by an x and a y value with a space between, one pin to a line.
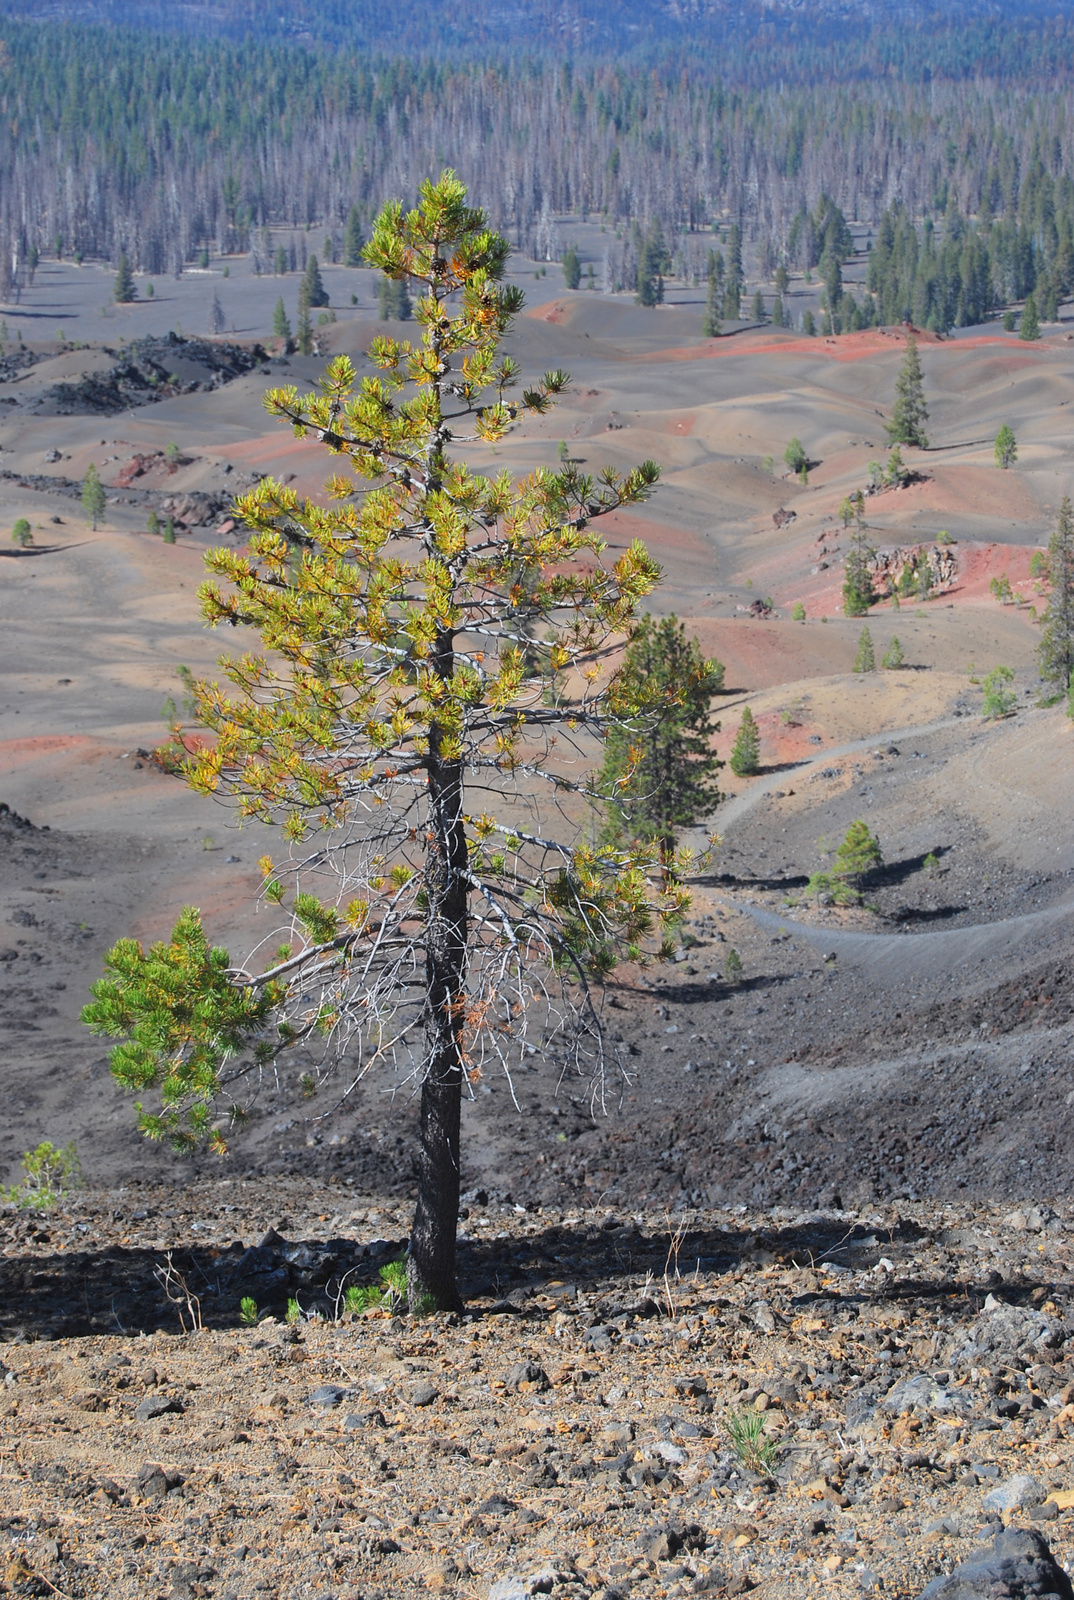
pixel 157 134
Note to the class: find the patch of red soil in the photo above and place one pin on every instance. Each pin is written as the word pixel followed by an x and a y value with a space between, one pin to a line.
pixel 978 564
pixel 18 751
pixel 863 346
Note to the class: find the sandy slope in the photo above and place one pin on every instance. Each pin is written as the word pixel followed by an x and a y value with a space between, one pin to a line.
pixel 94 625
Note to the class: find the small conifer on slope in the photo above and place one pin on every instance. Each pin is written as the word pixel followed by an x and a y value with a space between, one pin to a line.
pixel 746 750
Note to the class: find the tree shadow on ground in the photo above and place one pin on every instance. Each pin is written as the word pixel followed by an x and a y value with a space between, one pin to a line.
pixel 116 1290
pixel 896 872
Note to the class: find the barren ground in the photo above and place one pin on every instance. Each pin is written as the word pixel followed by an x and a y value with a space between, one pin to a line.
pixel 911 1056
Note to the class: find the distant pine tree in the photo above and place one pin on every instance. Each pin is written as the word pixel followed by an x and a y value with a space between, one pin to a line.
pixel 858 591
pixel 280 264
pixel 124 289
pixel 93 498
pixel 304 334
pixel 1006 448
pixel 865 661
pixel 1030 328
pixel 352 239
pixel 659 768
pixel 910 414
pixel 572 268
pixel 281 327
pixel 712 324
pixel 393 300
pixel 777 312
pixel 316 293
pixel 1055 653
pixel 757 309
pixel 746 750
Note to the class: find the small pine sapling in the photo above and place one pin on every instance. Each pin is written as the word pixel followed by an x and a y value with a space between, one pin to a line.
pixel 858 855
pixel 22 534
pixel 999 698
pixel 248 1311
pixel 49 1173
pixel 1000 589
pixel 865 660
pixel 795 457
pixel 746 751
pixel 733 966
pixel 798 612
pixel 893 655
pixel 1006 447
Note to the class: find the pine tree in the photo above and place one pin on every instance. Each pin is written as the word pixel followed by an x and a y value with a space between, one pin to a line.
pixel 910 414
pixel 353 241
pixel 152 523
pixel 732 300
pixel 746 750
pixel 858 591
pixel 757 308
pixel 865 660
pixel 93 499
pixel 280 264
pixel 1055 653
pixel 304 331
pixel 281 327
pixel 712 324
pixel 216 315
pixel 795 457
pixel 777 312
pixel 393 300
pixel 316 293
pixel 572 268
pixel 1030 325
pixel 659 769
pixel 858 855
pixel 1006 448
pixel 653 262
pixel 387 710
pixel 893 655
pixel 123 289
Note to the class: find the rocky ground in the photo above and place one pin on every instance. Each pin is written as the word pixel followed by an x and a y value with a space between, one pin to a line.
pixel 908 1372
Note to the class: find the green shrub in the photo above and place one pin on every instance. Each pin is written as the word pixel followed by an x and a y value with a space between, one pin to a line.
pixel 999 699
pixel 745 1429
pixel 893 655
pixel 248 1311
pixel 48 1174
pixel 798 612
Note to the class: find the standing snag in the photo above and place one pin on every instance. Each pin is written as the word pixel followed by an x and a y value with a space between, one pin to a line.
pixel 433 640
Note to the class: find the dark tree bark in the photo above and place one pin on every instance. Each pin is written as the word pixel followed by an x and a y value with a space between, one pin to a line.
pixel 431 1269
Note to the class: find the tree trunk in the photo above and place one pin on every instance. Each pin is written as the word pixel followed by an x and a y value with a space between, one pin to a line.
pixel 431 1280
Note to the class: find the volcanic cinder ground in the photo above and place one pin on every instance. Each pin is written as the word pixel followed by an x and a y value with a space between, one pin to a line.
pixel 915 1048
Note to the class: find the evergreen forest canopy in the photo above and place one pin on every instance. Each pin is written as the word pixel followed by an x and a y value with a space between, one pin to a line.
pixel 159 144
